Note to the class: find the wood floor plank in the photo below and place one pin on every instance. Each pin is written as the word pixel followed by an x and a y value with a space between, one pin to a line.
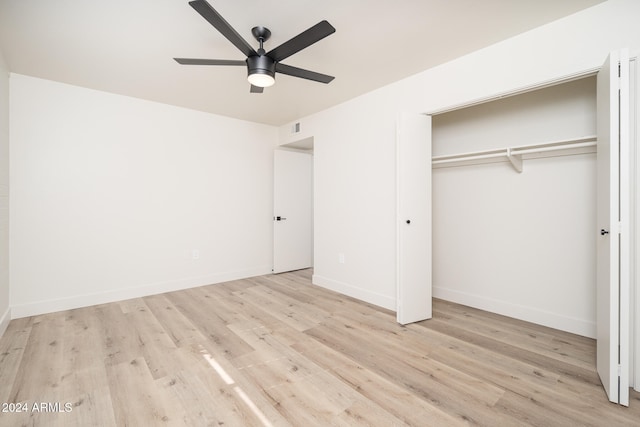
pixel 396 400
pixel 546 390
pixel 177 326
pixel 567 369
pixel 273 363
pixel 156 346
pixel 12 346
pixel 316 400
pixel 284 312
pixel 39 373
pixel 539 342
pixel 366 413
pixel 132 305
pixel 233 390
pixel 80 374
pixel 153 405
pixel 118 341
pixel 288 335
pixel 227 289
pixel 234 309
pixel 225 306
pixel 209 323
pixel 206 405
pixel 325 299
pixel 283 283
pixel 514 325
pixel 93 408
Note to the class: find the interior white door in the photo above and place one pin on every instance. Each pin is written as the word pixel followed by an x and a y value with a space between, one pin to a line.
pixel 613 238
pixel 413 166
pixel 292 210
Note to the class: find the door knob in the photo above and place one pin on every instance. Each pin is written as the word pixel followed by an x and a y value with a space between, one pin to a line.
pixel 603 232
pixel 408 221
pixel 280 218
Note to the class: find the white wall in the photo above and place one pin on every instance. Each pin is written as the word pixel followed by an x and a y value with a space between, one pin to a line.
pixel 519 244
pixel 111 195
pixel 5 314
pixel 562 111
pixel 354 142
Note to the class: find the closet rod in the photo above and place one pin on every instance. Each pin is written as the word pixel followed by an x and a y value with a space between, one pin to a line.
pixel 585 141
pixel 514 154
pixel 552 148
pixel 461 157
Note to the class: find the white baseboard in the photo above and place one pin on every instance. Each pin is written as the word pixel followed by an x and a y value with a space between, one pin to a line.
pixel 61 304
pixel 530 314
pixel 355 292
pixel 4 321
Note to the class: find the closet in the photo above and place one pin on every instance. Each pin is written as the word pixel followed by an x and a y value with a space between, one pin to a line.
pixel 514 206
pixel 519 196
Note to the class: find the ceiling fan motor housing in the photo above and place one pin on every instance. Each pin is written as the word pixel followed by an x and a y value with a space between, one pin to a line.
pixel 261 64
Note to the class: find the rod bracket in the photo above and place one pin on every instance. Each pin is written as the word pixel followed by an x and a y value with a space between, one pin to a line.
pixel 515 159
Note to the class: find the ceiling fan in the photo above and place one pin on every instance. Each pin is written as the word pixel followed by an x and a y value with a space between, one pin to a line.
pixel 261 65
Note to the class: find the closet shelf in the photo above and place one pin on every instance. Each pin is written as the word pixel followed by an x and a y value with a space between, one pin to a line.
pixel 515 155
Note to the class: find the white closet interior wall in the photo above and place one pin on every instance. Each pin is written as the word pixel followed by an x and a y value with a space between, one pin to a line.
pixel 522 245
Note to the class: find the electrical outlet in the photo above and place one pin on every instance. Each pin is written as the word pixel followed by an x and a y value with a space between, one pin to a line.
pixel 195 254
pixel 341 258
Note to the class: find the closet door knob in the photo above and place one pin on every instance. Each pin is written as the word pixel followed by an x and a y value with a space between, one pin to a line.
pixel 603 232
pixel 408 221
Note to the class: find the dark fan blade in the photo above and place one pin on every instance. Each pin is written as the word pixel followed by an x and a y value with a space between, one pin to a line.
pixel 256 89
pixel 304 74
pixel 301 41
pixel 192 61
pixel 215 19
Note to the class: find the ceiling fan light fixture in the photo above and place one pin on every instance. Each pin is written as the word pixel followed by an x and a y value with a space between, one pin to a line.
pixel 261 71
pixel 261 78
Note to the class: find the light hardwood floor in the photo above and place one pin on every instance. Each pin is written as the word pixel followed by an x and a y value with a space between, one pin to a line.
pixel 276 350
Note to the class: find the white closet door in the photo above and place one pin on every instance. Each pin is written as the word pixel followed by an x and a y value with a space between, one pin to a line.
pixel 413 218
pixel 292 210
pixel 613 237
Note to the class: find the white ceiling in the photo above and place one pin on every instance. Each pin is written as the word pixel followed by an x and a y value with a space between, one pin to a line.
pixel 126 46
